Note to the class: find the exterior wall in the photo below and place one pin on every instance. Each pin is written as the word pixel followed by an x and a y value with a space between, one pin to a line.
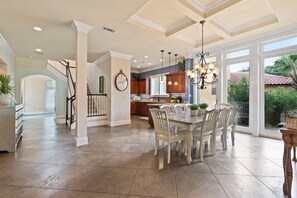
pixel 26 67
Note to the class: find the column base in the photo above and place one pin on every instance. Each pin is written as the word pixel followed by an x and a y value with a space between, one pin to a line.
pixel 82 141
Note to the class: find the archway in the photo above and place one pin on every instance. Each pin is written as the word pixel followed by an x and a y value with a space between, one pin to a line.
pixel 38 95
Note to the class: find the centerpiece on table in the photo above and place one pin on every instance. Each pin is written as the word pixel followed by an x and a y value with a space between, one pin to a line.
pixel 194 109
pixel 202 107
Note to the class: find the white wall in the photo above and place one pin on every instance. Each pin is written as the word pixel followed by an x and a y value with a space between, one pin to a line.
pixel 26 67
pixel 7 57
pixel 36 94
pixel 118 102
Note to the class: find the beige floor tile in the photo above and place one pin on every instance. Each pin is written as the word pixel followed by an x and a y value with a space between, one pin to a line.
pixel 244 186
pixel 202 185
pixel 154 183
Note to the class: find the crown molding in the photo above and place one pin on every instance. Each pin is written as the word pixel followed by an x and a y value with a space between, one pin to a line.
pixel 120 55
pixel 148 23
pixel 81 27
pixel 5 46
pixel 112 54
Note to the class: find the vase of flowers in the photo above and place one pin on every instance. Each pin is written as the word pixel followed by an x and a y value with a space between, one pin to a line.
pixel 5 89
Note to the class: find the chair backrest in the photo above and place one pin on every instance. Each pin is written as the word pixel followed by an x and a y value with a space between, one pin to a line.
pixel 161 122
pixel 168 108
pixel 209 121
pixel 180 109
pixel 222 105
pixel 223 118
pixel 232 116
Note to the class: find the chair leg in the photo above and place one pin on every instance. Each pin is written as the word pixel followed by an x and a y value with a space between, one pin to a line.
pixel 201 151
pixel 169 153
pixel 225 141
pixel 156 146
pixel 233 136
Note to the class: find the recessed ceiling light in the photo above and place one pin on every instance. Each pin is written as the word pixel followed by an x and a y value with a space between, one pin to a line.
pixel 39 29
pixel 38 50
pixel 149 63
pixel 138 66
pixel 161 60
pixel 145 56
pixel 135 61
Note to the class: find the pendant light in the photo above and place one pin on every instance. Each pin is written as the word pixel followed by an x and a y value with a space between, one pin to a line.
pixel 161 79
pixel 175 83
pixel 169 82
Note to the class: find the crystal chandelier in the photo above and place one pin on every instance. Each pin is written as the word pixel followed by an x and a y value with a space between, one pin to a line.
pixel 202 73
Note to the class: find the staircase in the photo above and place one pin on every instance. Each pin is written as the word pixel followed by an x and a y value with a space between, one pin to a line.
pixel 96 102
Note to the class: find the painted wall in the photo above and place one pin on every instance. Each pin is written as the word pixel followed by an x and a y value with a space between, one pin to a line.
pixel 7 57
pixel 120 100
pixel 26 67
pixel 39 94
pixel 117 102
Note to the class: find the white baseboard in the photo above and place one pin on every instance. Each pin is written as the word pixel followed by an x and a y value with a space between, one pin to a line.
pixel 60 119
pixel 82 141
pixel 119 123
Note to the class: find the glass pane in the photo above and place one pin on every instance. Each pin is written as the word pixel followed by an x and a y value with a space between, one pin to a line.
pixel 238 90
pixel 280 44
pixel 208 95
pixel 154 86
pixel 239 53
pixel 163 86
pixel 280 96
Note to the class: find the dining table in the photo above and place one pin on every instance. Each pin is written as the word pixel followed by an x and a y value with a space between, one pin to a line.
pixel 189 123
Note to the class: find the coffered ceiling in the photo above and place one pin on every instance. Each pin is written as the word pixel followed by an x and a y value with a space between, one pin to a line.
pixel 142 27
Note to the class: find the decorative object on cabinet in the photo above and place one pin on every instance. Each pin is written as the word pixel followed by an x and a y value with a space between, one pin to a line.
pixel 11 122
pixel 202 73
pixel 181 66
pixel 121 81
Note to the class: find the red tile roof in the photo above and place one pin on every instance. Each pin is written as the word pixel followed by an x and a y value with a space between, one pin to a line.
pixel 269 78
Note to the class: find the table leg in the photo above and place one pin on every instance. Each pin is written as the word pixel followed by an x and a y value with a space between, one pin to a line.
pixel 288 171
pixel 284 167
pixel 189 142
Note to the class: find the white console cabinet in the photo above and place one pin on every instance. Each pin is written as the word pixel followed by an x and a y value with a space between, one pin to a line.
pixel 11 127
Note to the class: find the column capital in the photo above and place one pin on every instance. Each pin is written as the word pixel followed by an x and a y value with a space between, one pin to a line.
pixel 81 27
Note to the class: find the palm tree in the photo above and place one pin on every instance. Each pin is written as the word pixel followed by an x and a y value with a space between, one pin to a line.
pixel 294 78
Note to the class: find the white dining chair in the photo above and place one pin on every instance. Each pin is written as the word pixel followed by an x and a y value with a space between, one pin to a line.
pixel 222 106
pixel 168 108
pixel 221 127
pixel 180 109
pixel 164 132
pixel 232 122
pixel 205 133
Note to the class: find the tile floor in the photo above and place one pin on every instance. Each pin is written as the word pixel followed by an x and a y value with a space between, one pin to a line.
pixel 119 162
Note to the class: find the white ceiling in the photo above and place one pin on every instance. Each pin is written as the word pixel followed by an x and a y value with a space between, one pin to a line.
pixel 143 27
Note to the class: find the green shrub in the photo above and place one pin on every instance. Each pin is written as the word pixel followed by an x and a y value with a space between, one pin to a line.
pixel 194 107
pixel 203 105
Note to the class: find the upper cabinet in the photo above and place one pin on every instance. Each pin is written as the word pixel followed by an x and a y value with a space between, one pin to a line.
pixel 178 77
pixel 139 86
pixel 134 87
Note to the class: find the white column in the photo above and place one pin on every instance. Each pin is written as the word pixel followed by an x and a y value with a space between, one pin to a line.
pixel 81 81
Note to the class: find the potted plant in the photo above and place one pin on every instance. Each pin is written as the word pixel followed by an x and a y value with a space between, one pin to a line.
pixel 194 109
pixel 203 107
pixel 5 89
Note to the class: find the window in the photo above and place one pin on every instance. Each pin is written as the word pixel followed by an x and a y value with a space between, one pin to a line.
pixel 158 88
pixel 238 90
pixel 280 44
pixel 236 54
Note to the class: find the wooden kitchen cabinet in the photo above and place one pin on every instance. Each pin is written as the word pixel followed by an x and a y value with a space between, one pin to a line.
pixel 142 86
pixel 134 86
pixel 178 77
pixel 133 108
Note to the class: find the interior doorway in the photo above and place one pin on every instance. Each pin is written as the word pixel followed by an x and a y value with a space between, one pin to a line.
pixel 38 95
